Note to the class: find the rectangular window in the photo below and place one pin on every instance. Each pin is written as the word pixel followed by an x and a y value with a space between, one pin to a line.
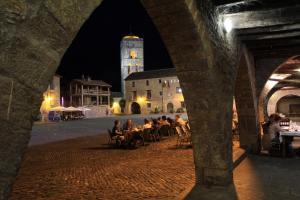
pixel 133 84
pixel 160 93
pixel 134 95
pixel 178 90
pixel 159 81
pixel 148 94
pixel 147 82
pixel 148 105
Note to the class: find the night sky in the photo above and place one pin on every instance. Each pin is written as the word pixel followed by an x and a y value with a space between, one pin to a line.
pixel 96 49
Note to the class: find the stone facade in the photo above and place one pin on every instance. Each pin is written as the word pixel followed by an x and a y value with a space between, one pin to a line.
pixel 132 57
pixel 88 92
pixel 161 94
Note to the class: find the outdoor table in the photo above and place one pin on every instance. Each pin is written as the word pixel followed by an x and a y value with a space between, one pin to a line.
pixel 284 135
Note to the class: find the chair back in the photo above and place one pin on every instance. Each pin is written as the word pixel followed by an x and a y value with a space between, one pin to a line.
pixel 179 131
pixel 164 130
pixel 110 133
pixel 147 131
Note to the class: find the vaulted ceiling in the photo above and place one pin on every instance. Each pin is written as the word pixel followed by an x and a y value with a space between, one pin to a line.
pixel 269 28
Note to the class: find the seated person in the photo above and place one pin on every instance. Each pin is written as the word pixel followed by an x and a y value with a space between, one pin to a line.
pixel 128 126
pixel 164 121
pixel 116 131
pixel 147 124
pixel 171 121
pixel 155 124
pixel 273 132
pixel 179 121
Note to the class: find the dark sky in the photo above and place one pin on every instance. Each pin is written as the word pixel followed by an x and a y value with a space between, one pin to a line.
pixel 96 49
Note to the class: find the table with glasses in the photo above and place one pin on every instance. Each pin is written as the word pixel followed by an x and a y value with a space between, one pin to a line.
pixel 284 135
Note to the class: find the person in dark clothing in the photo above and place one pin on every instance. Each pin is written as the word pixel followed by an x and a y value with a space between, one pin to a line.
pixel 116 131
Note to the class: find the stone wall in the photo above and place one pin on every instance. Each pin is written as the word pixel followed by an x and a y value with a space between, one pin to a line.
pixel 169 94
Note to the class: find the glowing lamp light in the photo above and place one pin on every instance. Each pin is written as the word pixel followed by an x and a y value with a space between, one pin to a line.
pixel 140 99
pixel 228 25
pixel 115 105
pixel 297 70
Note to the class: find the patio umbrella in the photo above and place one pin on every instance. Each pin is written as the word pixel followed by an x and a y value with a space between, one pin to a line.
pixel 72 109
pixel 58 108
pixel 84 109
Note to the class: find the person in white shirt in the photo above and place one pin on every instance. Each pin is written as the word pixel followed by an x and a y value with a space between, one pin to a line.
pixel 179 121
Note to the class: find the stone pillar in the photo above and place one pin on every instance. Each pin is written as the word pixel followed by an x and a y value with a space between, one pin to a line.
pixel 207 73
pixel 34 37
pixel 71 95
pixel 82 95
pixel 97 95
pixel 246 103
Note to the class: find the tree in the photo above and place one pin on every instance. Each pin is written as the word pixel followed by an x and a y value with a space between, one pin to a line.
pixel 122 104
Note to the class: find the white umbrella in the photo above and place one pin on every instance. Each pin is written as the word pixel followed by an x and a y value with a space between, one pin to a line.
pixel 72 109
pixel 58 108
pixel 84 109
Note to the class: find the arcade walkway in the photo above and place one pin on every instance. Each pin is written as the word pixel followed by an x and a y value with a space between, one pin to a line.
pixel 82 168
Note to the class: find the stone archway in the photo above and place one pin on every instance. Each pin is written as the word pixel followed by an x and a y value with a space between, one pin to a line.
pixel 276 96
pixel 135 108
pixel 35 35
pixel 265 86
pixel 170 107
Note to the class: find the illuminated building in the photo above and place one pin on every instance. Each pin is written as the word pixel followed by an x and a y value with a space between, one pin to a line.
pixel 88 92
pixel 154 91
pixel 132 57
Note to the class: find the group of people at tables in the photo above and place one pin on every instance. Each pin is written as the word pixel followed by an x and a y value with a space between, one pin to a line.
pixel 271 135
pixel 129 134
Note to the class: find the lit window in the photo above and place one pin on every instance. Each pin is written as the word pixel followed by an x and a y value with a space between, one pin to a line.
pixel 133 54
pixel 148 94
pixel 178 90
pixel 133 84
pixel 147 82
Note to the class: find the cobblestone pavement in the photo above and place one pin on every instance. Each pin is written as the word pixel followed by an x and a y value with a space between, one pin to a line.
pixel 83 168
pixel 86 168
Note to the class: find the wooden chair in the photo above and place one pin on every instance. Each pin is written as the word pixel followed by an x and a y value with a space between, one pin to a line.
pixel 147 134
pixel 165 130
pixel 182 137
pixel 110 137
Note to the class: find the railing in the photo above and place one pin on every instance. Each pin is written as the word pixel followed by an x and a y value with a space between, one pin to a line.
pixel 91 92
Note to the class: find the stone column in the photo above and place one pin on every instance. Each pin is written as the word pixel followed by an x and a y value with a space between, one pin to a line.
pixel 81 95
pixel 246 102
pixel 205 64
pixel 98 95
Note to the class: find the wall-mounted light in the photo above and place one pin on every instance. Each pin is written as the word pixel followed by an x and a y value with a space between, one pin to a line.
pixel 228 25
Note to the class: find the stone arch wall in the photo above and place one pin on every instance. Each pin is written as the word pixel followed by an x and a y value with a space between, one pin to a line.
pixel 35 34
pixel 264 88
pixel 271 106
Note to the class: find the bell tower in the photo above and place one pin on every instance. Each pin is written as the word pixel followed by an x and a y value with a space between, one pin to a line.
pixel 132 57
